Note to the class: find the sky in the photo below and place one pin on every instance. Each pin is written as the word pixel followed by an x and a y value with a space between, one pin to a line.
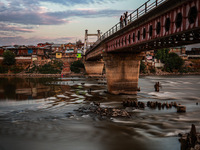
pixel 28 22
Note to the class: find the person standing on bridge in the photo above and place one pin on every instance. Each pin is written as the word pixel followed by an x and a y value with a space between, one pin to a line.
pixel 121 22
pixel 125 18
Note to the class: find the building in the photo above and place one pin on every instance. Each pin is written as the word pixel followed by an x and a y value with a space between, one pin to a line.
pixel 69 52
pixel 180 51
pixel 194 53
pixel 44 44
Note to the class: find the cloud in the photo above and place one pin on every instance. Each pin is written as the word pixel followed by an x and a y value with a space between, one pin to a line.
pixel 31 13
pixel 19 40
pixel 85 13
pixel 53 18
pixel 14 28
pixel 25 16
pixel 31 18
pixel 76 2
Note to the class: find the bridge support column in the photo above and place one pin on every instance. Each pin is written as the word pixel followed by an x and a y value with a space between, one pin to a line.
pixel 122 72
pixel 94 67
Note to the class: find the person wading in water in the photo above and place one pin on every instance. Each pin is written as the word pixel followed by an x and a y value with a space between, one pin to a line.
pixel 157 86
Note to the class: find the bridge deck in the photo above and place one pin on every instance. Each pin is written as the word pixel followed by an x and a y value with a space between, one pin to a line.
pixel 163 23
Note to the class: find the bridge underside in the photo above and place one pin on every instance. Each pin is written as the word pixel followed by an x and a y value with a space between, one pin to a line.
pixel 179 39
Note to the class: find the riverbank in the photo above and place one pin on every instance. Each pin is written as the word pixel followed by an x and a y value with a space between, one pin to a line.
pixel 30 75
pixel 93 76
pixel 169 73
pixel 38 75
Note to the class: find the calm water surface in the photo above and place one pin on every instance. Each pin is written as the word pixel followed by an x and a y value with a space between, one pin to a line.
pixel 39 114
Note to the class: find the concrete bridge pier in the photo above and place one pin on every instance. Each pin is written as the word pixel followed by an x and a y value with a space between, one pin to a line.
pixel 122 72
pixel 94 68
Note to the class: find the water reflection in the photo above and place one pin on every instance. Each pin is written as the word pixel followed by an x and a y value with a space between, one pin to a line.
pixel 49 121
pixel 28 88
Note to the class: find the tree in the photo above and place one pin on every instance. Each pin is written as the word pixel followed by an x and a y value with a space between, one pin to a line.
pixel 162 54
pixel 76 65
pixel 78 43
pixel 173 62
pixel 142 67
pixel 9 58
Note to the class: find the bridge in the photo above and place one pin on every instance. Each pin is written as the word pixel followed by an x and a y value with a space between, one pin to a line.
pixel 155 25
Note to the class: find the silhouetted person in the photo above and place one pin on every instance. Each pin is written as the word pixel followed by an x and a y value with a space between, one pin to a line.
pixel 125 18
pixel 157 86
pixel 121 22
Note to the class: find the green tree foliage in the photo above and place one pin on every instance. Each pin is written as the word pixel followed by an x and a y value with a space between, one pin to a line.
pixel 48 69
pixel 173 62
pixel 162 55
pixel 16 69
pixel 9 58
pixel 3 69
pixel 76 65
pixel 142 67
pixel 78 43
pixel 58 64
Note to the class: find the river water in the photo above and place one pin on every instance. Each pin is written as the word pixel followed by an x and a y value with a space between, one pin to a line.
pixel 40 114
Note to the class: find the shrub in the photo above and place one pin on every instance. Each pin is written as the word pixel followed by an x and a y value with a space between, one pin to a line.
pixel 173 62
pixel 142 67
pixel 76 65
pixel 58 64
pixel 153 70
pixel 16 69
pixel 48 69
pixel 162 55
pixel 75 69
pixel 3 69
pixel 9 58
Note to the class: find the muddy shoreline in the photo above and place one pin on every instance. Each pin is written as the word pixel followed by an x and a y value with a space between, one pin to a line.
pixel 94 76
pixel 39 75
pixel 167 73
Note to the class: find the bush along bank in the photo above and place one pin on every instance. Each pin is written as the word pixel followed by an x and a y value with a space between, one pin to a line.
pixel 173 64
pixel 77 66
pixel 54 67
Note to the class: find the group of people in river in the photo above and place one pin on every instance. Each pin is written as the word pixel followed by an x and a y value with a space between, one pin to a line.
pixel 123 20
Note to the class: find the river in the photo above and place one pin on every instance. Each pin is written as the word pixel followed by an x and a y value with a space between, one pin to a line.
pixel 40 114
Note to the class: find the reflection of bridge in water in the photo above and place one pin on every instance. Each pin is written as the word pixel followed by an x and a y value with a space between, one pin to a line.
pixel 161 24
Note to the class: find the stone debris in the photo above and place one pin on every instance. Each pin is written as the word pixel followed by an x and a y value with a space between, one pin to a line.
pixel 159 105
pixel 190 141
pixel 133 103
pixel 154 105
pixel 181 108
pixel 107 112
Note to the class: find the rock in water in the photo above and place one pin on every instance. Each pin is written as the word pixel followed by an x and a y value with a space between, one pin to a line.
pixel 181 108
pixel 190 141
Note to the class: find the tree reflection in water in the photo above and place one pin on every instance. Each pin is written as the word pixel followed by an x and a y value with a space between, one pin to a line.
pixel 26 88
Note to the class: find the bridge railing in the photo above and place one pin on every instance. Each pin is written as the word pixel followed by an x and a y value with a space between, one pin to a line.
pixel 142 10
